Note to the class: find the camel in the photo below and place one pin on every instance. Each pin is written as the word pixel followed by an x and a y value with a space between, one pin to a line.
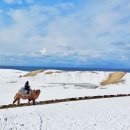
pixel 34 94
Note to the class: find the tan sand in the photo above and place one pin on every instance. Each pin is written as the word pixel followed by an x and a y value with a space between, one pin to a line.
pixel 113 78
pixel 33 73
pixel 51 72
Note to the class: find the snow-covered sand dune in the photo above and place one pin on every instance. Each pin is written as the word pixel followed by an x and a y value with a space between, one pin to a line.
pixel 60 84
pixel 101 114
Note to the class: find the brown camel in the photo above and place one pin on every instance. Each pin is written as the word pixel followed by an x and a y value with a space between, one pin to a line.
pixel 34 94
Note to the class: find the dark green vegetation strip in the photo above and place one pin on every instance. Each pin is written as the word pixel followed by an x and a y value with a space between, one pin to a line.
pixel 62 100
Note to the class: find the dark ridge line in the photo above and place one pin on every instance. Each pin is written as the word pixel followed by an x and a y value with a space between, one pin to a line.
pixel 62 100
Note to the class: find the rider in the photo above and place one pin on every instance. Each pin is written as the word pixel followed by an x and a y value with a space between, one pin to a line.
pixel 27 87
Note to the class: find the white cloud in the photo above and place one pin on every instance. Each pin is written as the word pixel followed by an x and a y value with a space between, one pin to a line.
pixel 43 51
pixel 9 1
pixel 18 1
pixel 14 1
pixel 86 33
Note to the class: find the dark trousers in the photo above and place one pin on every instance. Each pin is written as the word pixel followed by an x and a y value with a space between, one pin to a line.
pixel 28 90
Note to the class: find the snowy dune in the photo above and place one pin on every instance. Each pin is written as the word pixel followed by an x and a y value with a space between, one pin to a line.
pixel 55 85
pixel 101 114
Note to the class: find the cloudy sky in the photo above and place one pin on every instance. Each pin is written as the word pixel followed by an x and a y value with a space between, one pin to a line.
pixel 65 33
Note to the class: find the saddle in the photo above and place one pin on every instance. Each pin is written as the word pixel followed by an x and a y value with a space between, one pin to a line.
pixel 23 92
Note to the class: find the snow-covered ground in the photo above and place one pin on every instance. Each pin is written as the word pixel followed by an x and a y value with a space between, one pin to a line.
pixel 59 85
pixel 103 114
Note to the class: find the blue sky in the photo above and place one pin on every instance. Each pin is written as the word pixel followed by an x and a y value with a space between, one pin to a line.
pixel 65 33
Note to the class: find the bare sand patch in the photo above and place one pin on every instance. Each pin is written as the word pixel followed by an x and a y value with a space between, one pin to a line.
pixel 51 72
pixel 33 73
pixel 113 78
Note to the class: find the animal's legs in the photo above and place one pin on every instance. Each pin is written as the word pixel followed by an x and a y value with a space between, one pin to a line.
pixel 15 101
pixel 33 102
pixel 18 101
pixel 29 100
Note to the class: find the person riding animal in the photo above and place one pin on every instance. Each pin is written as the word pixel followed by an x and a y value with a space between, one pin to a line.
pixel 27 87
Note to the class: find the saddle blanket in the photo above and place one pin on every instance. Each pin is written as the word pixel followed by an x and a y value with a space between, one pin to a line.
pixel 23 91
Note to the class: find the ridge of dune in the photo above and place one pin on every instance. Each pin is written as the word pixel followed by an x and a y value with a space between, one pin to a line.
pixel 113 78
pixel 52 71
pixel 33 73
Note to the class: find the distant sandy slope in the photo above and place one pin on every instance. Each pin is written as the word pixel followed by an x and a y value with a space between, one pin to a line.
pixel 113 78
pixel 33 73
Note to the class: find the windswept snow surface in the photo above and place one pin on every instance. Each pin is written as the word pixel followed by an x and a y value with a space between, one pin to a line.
pixel 101 114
